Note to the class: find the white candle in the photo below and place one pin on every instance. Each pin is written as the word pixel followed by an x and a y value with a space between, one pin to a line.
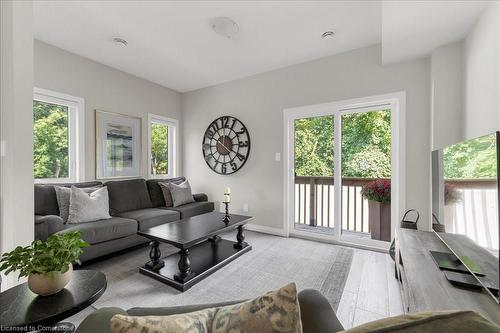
pixel 227 190
pixel 227 198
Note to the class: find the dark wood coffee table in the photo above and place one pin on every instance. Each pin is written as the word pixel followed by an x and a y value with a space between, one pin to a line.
pixel 23 311
pixel 202 251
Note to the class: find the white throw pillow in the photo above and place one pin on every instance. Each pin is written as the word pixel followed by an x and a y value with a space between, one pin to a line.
pixel 90 207
pixel 63 195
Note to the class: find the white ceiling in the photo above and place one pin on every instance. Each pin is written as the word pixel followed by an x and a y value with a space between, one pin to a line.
pixel 171 42
pixel 412 29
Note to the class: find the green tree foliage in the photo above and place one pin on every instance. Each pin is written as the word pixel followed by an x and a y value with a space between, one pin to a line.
pixel 471 159
pixel 366 145
pixel 159 149
pixel 368 163
pixel 50 140
pixel 314 146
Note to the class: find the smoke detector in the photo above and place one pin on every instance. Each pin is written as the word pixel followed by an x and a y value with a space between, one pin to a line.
pixel 224 26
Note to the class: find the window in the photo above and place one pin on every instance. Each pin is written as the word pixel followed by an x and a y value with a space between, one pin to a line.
pixel 57 128
pixel 162 138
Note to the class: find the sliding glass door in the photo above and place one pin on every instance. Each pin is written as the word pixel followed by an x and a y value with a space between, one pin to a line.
pixel 341 161
pixel 366 174
pixel 313 176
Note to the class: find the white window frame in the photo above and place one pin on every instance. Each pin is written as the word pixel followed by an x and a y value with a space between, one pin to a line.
pixel 76 132
pixel 173 140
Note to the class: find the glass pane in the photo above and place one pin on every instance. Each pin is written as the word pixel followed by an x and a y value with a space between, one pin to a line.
pixel 314 194
pixel 50 135
pixel 366 175
pixel 159 149
pixel 469 198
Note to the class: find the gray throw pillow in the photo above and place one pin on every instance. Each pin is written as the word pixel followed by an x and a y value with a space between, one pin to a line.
pixel 167 196
pixel 181 194
pixel 90 207
pixel 63 195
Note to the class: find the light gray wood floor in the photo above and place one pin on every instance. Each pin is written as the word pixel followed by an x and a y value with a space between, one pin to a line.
pixel 371 291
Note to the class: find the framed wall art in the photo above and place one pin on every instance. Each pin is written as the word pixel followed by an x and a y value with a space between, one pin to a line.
pixel 118 145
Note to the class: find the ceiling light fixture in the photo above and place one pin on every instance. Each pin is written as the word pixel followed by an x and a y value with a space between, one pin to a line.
pixel 224 26
pixel 120 41
pixel 328 34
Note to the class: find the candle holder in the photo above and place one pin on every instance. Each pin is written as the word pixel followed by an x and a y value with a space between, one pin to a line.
pixel 227 217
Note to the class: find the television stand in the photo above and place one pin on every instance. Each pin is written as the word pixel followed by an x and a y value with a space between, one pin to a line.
pixel 424 287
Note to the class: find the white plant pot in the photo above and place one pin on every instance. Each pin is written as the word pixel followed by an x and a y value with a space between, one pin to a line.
pixel 49 283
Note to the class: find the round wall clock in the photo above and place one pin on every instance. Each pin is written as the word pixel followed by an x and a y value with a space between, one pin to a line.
pixel 226 145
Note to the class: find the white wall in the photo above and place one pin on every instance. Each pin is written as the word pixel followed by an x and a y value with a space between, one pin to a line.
pixel 258 101
pixel 103 88
pixel 481 75
pixel 16 128
pixel 447 99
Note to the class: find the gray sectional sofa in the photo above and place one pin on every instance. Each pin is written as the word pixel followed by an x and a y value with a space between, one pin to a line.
pixel 134 204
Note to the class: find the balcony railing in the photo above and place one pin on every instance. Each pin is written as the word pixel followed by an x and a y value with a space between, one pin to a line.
pixel 314 207
pixel 314 203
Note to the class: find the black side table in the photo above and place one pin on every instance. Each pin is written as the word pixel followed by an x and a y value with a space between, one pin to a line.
pixel 23 311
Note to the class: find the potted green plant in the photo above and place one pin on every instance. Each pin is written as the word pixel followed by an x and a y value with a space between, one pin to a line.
pixel 47 264
pixel 378 193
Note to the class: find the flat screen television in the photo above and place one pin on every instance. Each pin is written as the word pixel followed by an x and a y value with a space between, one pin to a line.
pixel 465 209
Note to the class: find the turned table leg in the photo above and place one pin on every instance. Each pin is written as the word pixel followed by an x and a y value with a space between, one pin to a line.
pixel 240 237
pixel 155 255
pixel 184 266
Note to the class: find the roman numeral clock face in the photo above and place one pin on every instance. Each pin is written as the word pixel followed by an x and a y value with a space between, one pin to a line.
pixel 226 145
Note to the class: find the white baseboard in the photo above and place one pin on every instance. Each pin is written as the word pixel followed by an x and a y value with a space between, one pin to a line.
pixel 313 237
pixel 265 230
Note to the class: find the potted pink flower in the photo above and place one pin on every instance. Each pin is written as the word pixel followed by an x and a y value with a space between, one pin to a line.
pixel 378 194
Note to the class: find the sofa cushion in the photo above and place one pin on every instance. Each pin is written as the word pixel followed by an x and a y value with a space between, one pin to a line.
pixel 104 230
pixel 46 200
pixel 151 217
pixel 126 195
pixel 193 208
pixel 439 321
pixel 155 191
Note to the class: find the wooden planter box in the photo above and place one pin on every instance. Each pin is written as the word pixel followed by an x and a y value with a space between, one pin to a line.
pixel 379 219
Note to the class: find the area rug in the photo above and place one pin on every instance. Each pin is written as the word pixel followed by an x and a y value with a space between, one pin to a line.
pixel 273 262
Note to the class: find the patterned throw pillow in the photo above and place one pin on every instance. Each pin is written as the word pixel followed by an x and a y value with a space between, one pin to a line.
pixel 276 311
pixel 194 322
